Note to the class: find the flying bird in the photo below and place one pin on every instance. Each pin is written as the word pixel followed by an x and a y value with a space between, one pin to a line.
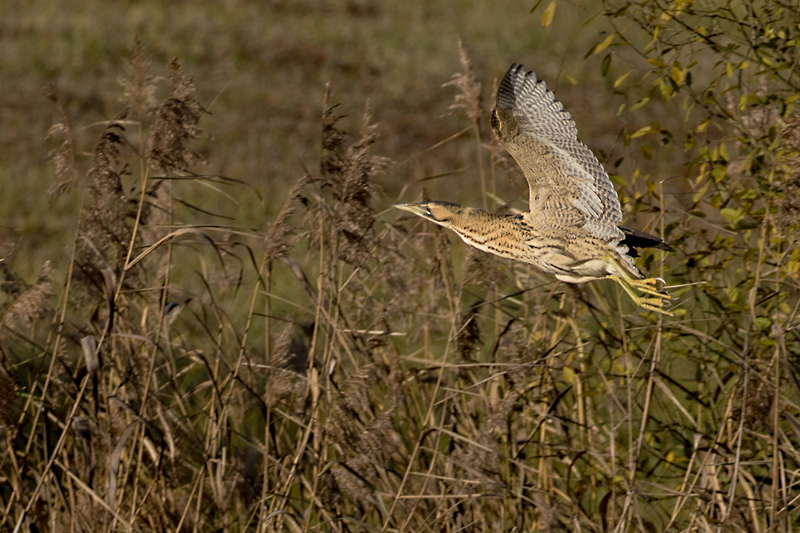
pixel 571 228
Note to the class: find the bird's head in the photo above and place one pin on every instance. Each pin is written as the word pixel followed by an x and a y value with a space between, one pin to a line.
pixel 443 213
pixel 486 231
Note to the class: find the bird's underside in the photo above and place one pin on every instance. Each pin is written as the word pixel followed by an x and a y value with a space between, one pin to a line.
pixel 570 253
pixel 572 226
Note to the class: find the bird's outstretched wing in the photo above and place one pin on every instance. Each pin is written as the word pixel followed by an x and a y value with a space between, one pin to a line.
pixel 567 183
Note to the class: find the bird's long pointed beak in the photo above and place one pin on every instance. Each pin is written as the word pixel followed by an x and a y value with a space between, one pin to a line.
pixel 417 209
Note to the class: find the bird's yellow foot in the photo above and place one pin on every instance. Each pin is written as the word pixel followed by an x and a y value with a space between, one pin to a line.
pixel 653 304
pixel 646 286
pixel 650 286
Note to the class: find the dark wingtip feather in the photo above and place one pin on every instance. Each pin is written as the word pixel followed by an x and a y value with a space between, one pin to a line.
pixel 510 84
pixel 640 239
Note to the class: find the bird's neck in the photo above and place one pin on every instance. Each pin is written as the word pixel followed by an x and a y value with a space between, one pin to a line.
pixel 496 234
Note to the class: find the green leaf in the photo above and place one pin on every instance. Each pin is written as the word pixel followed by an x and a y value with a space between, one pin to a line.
pixel 549 13
pixel 700 193
pixel 678 73
pixel 742 102
pixel 640 103
pixel 731 213
pixel 746 223
pixel 733 293
pixel 605 65
pixel 605 43
pixel 619 80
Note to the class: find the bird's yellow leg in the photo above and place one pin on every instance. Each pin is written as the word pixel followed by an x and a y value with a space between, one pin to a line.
pixel 653 304
pixel 647 286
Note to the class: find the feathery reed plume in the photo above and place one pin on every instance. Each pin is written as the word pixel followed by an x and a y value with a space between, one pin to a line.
pixel 366 447
pixel 175 126
pixel 480 459
pixel 64 155
pixel 368 455
pixel 483 269
pixel 280 381
pixel 32 305
pixel 479 469
pixel 513 345
pixel 12 285
pixel 469 95
pixel 468 336
pixel 349 172
pixel 469 99
pixel 105 231
pixel 332 137
pixel 356 188
pixel 443 264
pixel 155 212
pixel 139 86
pixel 277 239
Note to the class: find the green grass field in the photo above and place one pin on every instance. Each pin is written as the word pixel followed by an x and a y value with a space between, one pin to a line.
pixel 233 330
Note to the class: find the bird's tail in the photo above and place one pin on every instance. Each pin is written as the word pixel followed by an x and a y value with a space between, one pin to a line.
pixel 639 239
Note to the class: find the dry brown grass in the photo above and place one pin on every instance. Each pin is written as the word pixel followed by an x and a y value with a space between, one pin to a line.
pixel 346 370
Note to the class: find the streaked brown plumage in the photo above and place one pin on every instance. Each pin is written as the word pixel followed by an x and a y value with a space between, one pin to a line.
pixel 572 227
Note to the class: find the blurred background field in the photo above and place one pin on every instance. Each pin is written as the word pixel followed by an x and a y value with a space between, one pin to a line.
pixel 261 71
pixel 233 331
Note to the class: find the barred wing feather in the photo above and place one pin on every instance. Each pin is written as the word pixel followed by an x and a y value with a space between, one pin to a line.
pixel 562 173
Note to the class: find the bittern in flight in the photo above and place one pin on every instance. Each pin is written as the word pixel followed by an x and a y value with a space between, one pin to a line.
pixel 571 228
